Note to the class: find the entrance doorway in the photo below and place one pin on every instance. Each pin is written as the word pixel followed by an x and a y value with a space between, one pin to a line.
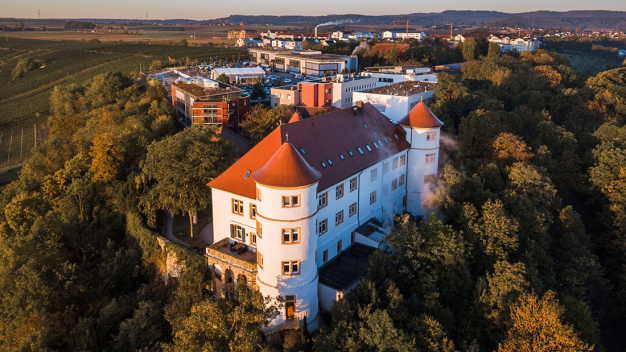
pixel 290 307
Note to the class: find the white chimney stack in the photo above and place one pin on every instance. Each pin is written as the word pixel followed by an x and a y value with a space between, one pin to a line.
pixel 315 33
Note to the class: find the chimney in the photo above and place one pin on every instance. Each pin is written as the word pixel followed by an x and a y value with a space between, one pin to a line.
pixel 359 106
pixel 315 32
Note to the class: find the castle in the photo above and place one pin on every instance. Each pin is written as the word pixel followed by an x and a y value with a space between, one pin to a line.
pixel 300 213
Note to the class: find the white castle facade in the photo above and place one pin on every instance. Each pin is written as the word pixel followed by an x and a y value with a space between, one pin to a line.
pixel 299 214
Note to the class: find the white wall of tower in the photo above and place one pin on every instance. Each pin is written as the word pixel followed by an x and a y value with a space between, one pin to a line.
pixel 417 187
pixel 273 218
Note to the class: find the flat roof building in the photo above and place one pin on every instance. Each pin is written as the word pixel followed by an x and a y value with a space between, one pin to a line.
pixel 207 102
pixel 396 100
pixel 311 63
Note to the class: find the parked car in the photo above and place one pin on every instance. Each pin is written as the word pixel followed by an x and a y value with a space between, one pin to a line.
pixel 273 77
pixel 298 76
pixel 287 80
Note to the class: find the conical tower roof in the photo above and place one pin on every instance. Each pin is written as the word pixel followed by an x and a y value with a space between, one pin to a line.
pixel 286 168
pixel 295 118
pixel 420 117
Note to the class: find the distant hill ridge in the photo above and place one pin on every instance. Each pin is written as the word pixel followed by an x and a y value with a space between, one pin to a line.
pixel 587 19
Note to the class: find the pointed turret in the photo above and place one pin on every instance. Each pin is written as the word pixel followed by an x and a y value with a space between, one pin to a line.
pixel 287 168
pixel 420 117
pixel 295 118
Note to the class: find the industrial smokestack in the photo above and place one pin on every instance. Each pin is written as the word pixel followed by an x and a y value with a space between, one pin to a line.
pixel 315 33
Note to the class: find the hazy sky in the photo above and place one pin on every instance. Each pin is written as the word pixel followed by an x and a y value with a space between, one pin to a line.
pixel 208 9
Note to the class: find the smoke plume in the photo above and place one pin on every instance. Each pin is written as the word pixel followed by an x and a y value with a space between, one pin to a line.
pixel 334 23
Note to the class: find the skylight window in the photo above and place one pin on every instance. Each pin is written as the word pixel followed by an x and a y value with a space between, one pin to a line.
pixel 396 136
pixel 245 177
pixel 341 156
pixel 360 150
pixel 380 143
pixel 375 145
pixel 364 125
pixel 350 152
pixel 329 162
pixel 302 151
pixel 324 164
pixel 368 148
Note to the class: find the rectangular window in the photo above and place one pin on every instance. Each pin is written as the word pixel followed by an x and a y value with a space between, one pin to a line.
pixel 291 236
pixel 259 259
pixel 237 232
pixel 237 207
pixel 252 211
pixel 291 267
pixel 385 190
pixel 374 174
pixel 353 237
pixel 291 201
pixel 327 90
pixel 322 227
pixel 339 247
pixel 401 180
pixel 339 191
pixel 339 218
pixel 325 256
pixel 430 158
pixel 431 136
pixel 322 200
pixel 385 168
pixel 395 163
pixel 372 197
pixel 253 238
pixel 353 184
pixel 258 194
pixel 352 209
pixel 402 160
pixel 394 184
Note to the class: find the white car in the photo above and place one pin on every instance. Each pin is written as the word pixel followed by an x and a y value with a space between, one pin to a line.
pixel 287 80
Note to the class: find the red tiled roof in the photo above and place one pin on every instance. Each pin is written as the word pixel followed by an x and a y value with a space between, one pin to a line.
pixel 321 138
pixel 295 118
pixel 420 117
pixel 387 47
pixel 287 168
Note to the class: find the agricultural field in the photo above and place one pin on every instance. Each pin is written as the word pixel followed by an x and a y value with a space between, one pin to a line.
pixel 24 98
pixel 17 143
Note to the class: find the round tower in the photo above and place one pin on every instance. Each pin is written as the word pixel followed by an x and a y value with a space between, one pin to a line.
pixel 286 244
pixel 422 132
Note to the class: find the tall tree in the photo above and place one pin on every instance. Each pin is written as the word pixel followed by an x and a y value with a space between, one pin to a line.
pixel 536 325
pixel 470 48
pixel 182 165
